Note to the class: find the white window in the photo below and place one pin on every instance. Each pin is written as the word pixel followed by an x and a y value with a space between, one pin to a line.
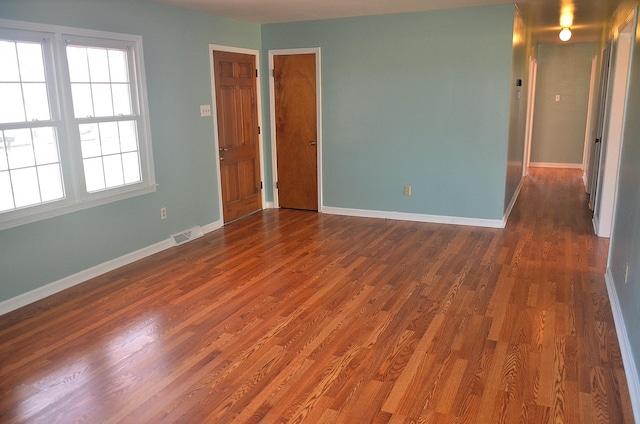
pixel 74 127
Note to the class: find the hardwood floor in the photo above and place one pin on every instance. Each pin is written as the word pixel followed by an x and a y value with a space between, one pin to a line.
pixel 290 316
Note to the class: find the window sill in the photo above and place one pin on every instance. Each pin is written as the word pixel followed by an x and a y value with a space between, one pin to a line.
pixel 63 207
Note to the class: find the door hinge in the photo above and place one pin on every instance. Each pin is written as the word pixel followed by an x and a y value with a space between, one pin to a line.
pixel 256 73
pixel 261 185
pixel 258 130
pixel 277 185
pixel 273 72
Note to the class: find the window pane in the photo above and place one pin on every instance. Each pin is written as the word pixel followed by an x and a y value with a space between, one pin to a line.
pixel 31 62
pixel 20 149
pixel 113 171
pixel 45 145
pixel 131 167
pixel 50 182
pixel 36 101
pixel 6 194
pixel 121 99
pixel 128 137
pixel 25 187
pixel 89 140
pixel 98 65
pixel 82 103
pixel 11 105
pixel 9 59
pixel 25 184
pixel 109 139
pixel 78 64
pixel 94 174
pixel 104 166
pixel 118 66
pixel 102 103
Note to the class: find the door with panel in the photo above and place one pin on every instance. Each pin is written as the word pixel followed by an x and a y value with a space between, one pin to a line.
pixel 238 141
pixel 295 100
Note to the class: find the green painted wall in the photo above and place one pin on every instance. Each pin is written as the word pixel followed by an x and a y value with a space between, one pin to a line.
pixel 559 127
pixel 419 99
pixel 625 241
pixel 406 101
pixel 176 45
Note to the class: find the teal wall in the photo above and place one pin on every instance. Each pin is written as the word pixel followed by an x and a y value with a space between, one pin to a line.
pixel 406 101
pixel 420 99
pixel 625 241
pixel 176 45
pixel 559 127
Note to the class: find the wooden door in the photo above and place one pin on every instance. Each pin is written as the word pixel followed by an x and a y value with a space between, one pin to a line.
pixel 599 136
pixel 296 130
pixel 236 109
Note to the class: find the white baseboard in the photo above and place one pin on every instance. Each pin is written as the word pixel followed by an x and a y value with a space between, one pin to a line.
pixel 596 224
pixel 402 216
pixel 507 212
pixel 268 205
pixel 630 369
pixel 87 274
pixel 213 226
pixel 555 165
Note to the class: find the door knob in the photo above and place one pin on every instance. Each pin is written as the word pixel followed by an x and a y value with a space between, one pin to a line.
pixel 223 149
pixel 221 158
pixel 312 143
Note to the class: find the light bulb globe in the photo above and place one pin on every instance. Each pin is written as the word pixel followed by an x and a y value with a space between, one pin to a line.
pixel 565 34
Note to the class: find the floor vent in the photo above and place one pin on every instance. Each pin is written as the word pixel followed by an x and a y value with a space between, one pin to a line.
pixel 185 236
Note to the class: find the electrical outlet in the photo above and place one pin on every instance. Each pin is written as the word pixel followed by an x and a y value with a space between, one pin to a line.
pixel 626 273
pixel 407 190
pixel 163 213
pixel 205 110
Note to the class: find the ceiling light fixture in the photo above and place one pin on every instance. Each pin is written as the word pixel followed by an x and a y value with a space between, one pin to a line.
pixel 565 34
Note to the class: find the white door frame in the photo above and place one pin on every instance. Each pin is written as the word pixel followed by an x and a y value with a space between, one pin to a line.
pixel 531 103
pixel 588 134
pixel 272 119
pixel 214 116
pixel 603 213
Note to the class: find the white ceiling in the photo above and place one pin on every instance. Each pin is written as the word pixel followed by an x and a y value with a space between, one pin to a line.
pixel 589 15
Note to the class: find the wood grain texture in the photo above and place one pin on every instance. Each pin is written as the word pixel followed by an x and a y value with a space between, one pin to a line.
pixel 293 316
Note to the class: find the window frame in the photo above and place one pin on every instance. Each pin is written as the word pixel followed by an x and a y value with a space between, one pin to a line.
pixel 76 197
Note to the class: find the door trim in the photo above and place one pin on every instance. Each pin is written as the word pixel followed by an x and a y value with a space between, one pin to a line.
pixel 604 212
pixel 589 134
pixel 272 119
pixel 531 104
pixel 214 117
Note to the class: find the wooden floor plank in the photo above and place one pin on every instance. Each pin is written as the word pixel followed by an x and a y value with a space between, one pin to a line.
pixel 293 316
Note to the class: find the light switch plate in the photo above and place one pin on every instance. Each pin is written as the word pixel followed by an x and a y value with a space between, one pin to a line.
pixel 205 110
